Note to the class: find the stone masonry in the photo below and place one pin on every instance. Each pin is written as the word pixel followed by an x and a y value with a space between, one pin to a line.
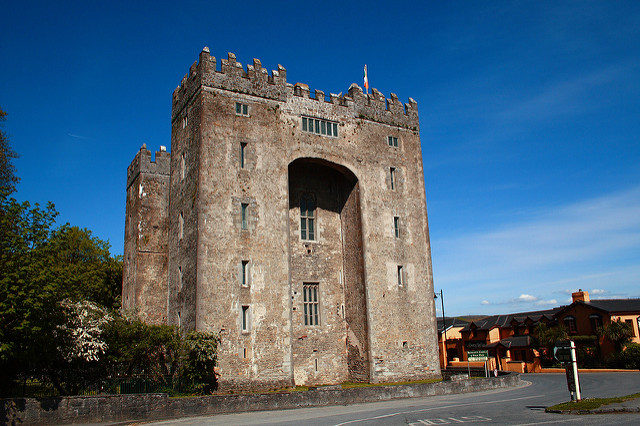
pixel 294 225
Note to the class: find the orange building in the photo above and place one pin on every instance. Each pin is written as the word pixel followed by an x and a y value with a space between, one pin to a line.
pixel 451 348
pixel 585 317
pixel 508 338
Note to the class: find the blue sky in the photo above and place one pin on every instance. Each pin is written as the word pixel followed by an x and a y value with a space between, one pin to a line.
pixel 529 113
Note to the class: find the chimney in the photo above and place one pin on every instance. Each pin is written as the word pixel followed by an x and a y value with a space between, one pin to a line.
pixel 580 296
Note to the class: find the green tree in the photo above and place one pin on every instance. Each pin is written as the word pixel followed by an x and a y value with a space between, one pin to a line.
pixel 8 178
pixel 39 268
pixel 545 338
pixel 619 333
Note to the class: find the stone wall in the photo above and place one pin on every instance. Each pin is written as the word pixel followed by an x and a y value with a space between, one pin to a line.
pixel 121 408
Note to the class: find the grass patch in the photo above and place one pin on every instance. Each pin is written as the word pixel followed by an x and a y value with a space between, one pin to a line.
pixel 591 403
pixel 351 385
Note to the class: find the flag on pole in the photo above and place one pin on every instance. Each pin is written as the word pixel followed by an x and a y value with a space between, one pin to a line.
pixel 366 80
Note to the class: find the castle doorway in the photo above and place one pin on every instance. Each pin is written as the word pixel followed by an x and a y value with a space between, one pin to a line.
pixel 328 291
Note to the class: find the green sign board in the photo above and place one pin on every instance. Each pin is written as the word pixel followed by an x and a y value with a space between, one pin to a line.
pixel 478 355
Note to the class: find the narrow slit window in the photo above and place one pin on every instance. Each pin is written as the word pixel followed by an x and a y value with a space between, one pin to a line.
pixel 245 273
pixel 392 178
pixel 310 303
pixel 182 166
pixel 400 276
pixel 243 212
pixel 180 226
pixel 307 218
pixel 179 278
pixel 243 149
pixel 245 318
pixel 396 226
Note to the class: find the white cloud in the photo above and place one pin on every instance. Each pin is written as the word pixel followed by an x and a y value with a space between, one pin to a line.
pixel 527 298
pixel 597 291
pixel 547 302
pixel 485 302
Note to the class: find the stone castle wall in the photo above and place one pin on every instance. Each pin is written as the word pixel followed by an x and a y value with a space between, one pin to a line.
pixel 371 328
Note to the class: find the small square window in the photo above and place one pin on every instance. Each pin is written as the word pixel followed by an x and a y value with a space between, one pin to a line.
pixel 393 141
pixel 242 109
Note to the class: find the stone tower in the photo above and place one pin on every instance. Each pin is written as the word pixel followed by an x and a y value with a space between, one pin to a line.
pixel 293 225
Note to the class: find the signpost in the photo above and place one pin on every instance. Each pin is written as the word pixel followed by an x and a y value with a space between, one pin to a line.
pixel 478 355
pixel 565 352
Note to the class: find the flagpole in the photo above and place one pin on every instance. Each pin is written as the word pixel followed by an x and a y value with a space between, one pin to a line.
pixel 366 80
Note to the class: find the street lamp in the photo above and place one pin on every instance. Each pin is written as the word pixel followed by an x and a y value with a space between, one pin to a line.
pixel 444 329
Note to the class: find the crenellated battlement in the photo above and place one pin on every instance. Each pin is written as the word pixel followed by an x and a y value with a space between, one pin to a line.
pixel 142 163
pixel 257 81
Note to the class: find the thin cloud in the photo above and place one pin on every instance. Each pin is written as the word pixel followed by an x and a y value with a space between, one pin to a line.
pixel 594 243
pixel 75 136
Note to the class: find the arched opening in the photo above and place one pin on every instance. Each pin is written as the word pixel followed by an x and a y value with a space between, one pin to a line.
pixel 328 297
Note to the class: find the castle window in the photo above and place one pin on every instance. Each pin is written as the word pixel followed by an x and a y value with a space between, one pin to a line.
pixel 393 141
pixel 243 212
pixel 245 319
pixel 392 178
pixel 307 218
pixel 182 166
pixel 180 226
pixel 396 226
pixel 319 127
pixel 185 121
pixel 179 278
pixel 310 303
pixel 243 146
pixel 242 109
pixel 244 272
pixel 400 276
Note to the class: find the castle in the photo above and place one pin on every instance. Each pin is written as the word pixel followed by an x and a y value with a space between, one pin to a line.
pixel 294 225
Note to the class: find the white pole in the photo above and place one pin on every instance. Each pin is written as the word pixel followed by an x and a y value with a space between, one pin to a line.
pixel 574 363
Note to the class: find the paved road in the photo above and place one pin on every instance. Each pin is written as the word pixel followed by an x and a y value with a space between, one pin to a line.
pixel 520 406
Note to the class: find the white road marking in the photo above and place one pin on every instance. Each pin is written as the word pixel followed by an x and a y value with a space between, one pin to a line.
pixel 550 421
pixel 463 419
pixel 436 408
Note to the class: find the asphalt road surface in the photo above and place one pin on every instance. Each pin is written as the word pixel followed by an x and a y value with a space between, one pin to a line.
pixel 516 406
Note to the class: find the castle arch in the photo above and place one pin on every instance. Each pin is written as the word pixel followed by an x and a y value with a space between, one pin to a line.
pixel 332 264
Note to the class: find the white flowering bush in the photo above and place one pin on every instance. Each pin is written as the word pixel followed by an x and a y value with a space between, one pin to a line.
pixel 85 325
